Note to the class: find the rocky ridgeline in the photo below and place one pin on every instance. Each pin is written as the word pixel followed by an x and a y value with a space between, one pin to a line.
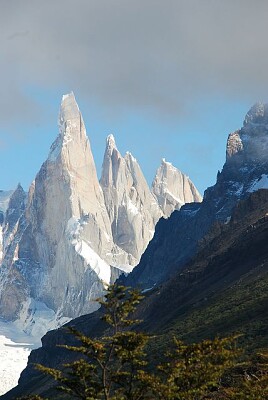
pixel 73 235
pixel 245 171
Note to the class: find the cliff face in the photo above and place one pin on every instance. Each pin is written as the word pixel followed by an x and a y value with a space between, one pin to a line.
pixel 132 209
pixel 173 189
pixel 73 235
pixel 245 171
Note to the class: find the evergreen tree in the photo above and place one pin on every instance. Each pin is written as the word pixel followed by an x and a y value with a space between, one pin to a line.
pixel 109 367
pixel 115 366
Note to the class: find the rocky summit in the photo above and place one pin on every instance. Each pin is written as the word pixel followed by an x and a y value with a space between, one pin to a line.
pixel 132 209
pixel 71 235
pixel 171 195
pixel 178 238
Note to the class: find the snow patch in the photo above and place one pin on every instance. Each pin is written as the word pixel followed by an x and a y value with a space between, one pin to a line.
pixel 18 338
pixel 94 261
pixel 125 268
pixel 15 347
pixel 190 213
pixel 173 197
pixel 36 319
pixel 148 289
pixel 74 229
pixel 170 165
pixel 261 183
pixel 132 208
pixel 239 190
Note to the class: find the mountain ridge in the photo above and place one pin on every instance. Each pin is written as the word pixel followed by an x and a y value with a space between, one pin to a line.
pixel 67 246
pixel 177 239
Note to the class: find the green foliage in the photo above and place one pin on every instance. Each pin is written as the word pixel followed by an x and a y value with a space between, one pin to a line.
pixel 109 367
pixel 115 366
pixel 193 370
pixel 250 379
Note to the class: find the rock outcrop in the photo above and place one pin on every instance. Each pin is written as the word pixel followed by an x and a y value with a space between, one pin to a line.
pixel 177 239
pixel 173 189
pixel 132 209
pixel 66 249
pixel 74 235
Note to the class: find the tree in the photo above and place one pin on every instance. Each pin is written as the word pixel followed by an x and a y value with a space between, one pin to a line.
pixel 193 371
pixel 115 366
pixel 109 367
pixel 250 379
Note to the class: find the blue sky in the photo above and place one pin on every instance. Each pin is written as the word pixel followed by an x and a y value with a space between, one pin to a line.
pixel 168 79
pixel 195 143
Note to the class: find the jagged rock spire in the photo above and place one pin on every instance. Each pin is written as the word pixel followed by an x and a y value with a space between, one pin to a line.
pixel 172 188
pixel 76 234
pixel 110 163
pixel 132 209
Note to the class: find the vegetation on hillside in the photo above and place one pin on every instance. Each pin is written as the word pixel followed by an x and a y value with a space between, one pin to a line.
pixel 118 366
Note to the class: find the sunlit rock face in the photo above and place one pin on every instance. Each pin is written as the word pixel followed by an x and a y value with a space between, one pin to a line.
pixel 64 246
pixel 73 235
pixel 132 209
pixel 173 189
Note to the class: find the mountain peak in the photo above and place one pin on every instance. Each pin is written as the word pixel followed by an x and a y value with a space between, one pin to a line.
pixel 110 142
pixel 71 126
pixel 172 188
pixel 69 111
pixel 167 164
pixel 19 187
pixel 251 141
pixel 130 157
pixel 258 114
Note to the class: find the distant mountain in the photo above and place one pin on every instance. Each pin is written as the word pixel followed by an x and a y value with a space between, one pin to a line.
pixel 173 189
pixel 73 235
pixel 176 239
pixel 132 209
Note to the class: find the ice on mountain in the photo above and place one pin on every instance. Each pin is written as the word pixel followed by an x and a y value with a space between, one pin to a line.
pixel 261 183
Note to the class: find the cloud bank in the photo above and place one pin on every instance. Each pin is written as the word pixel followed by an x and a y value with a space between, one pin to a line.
pixel 153 55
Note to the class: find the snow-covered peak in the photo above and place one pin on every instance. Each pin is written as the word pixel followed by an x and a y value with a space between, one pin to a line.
pixel 165 162
pixel 168 165
pixel 110 142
